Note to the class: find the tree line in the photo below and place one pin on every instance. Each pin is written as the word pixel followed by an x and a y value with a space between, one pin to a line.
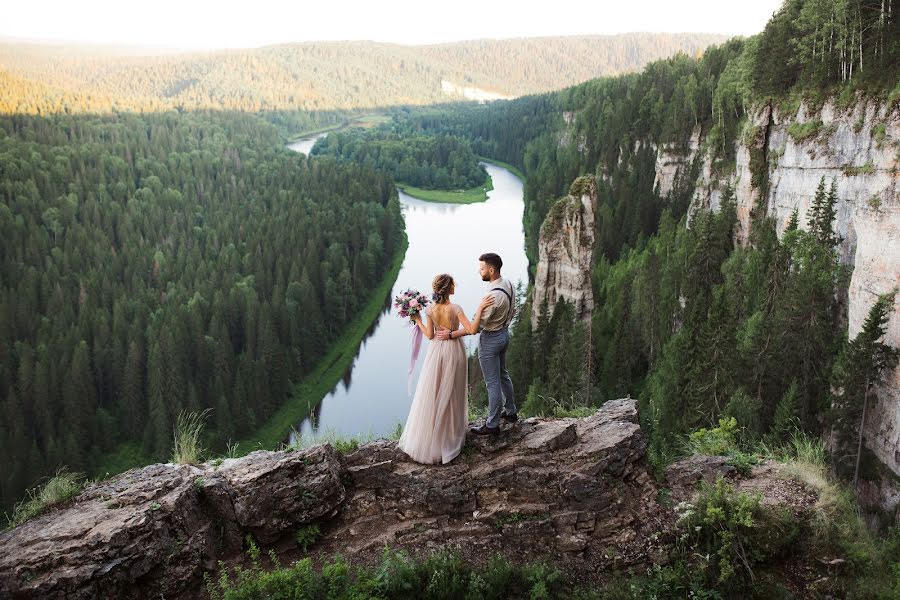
pixel 316 76
pixel 159 262
pixel 441 162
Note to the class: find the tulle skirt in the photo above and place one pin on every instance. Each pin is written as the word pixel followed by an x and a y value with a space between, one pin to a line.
pixel 435 429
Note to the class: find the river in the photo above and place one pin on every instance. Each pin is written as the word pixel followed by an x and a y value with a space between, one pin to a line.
pixel 443 238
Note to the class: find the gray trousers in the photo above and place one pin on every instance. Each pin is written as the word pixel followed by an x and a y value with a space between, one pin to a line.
pixel 492 347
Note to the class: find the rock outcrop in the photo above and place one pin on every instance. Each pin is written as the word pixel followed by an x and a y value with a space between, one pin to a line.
pixel 565 252
pixel 674 161
pixel 570 486
pixel 576 492
pixel 150 532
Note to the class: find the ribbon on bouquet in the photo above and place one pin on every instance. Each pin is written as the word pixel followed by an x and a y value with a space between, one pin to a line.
pixel 416 345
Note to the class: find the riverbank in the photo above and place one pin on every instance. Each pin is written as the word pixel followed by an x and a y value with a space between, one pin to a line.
pixel 369 120
pixel 331 367
pixel 469 196
pixel 499 163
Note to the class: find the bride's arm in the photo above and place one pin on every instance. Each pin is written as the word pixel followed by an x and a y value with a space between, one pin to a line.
pixel 427 330
pixel 471 328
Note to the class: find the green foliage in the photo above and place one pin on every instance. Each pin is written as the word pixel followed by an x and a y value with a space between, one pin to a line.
pixel 859 368
pixel 803 132
pixel 743 462
pixel 295 84
pixel 787 417
pixel 836 527
pixel 879 133
pixel 469 196
pixel 819 44
pixel 719 440
pixel 166 263
pixel 732 532
pixel 343 444
pixel 442 575
pixel 307 536
pixel 866 169
pixel 441 162
pixel 746 409
pixel 58 489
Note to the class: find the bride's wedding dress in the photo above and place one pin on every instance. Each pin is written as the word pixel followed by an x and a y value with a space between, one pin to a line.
pixel 435 429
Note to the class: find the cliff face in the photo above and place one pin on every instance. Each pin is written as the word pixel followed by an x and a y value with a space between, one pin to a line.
pixel 858 147
pixel 565 252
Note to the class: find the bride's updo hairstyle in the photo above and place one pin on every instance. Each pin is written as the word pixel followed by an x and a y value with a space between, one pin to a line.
pixel 441 285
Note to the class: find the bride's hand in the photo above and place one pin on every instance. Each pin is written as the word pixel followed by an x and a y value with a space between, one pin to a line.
pixel 486 301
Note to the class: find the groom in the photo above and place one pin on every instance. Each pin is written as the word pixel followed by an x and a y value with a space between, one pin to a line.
pixel 493 343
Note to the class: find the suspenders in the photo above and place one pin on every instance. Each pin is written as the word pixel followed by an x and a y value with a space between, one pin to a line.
pixel 510 311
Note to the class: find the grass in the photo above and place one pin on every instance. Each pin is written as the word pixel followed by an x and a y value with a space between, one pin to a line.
pixel 836 527
pixel 469 196
pixel 344 444
pixel 514 170
pixel 802 132
pixel 186 449
pixel 60 488
pixel 866 169
pixel 330 369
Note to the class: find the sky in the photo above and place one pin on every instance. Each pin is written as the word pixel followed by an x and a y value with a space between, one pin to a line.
pixel 206 24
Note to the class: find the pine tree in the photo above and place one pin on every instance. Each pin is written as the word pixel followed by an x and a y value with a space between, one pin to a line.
pixel 158 433
pixel 786 418
pixel 822 214
pixel 858 370
pixel 133 410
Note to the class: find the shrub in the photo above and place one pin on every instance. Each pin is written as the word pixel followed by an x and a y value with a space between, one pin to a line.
pixel 732 532
pixel 719 440
pixel 307 536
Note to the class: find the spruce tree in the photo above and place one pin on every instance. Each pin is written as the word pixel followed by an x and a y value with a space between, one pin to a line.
pixel 858 370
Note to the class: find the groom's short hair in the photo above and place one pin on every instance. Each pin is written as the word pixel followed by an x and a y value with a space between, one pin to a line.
pixel 492 259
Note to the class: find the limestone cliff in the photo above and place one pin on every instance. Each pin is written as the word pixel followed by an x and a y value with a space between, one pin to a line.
pixel 789 153
pixel 565 251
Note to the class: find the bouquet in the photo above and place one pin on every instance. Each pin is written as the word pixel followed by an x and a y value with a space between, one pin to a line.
pixel 408 304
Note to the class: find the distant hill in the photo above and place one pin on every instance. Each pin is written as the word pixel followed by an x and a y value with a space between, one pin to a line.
pixel 49 78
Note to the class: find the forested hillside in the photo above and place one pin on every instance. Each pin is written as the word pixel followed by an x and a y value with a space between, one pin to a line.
pixel 165 262
pixel 696 326
pixel 316 76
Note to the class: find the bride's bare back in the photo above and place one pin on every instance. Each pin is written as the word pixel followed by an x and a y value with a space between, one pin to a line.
pixel 446 315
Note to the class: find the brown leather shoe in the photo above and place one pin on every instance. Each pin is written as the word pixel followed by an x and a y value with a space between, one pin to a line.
pixel 509 418
pixel 485 430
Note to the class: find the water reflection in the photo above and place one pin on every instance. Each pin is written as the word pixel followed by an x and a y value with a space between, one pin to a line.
pixel 305 145
pixel 443 238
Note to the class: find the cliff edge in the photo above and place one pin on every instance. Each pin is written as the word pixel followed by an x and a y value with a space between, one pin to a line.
pixel 574 491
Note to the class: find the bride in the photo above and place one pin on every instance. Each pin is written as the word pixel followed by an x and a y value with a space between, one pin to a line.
pixel 436 426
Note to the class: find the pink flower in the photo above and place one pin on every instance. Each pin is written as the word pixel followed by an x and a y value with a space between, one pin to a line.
pixel 413 302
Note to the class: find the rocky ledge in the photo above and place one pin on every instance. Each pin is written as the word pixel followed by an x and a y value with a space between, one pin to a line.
pixel 573 491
